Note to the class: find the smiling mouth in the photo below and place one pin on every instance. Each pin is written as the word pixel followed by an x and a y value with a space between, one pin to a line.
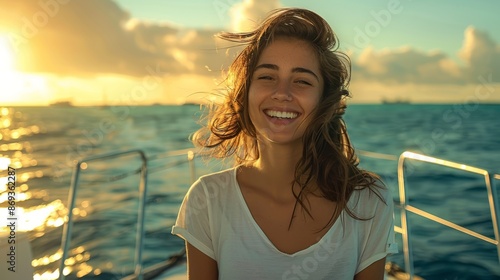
pixel 281 114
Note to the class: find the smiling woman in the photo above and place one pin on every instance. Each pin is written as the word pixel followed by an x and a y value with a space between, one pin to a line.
pixel 18 88
pixel 295 202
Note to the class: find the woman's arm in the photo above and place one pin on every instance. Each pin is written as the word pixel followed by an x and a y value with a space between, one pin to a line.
pixel 199 265
pixel 374 271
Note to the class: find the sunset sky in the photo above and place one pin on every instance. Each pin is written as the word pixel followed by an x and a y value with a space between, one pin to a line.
pixel 127 52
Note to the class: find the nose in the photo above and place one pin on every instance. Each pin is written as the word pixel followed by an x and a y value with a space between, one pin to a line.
pixel 282 93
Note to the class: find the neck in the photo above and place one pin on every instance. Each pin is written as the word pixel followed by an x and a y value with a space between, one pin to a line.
pixel 277 165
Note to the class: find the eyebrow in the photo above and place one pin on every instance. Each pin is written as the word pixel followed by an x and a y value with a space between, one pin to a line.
pixel 294 70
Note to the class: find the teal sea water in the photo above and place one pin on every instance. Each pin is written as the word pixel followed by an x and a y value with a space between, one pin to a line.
pixel 43 144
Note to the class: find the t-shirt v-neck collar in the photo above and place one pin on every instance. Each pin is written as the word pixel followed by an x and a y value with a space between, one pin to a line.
pixel 249 216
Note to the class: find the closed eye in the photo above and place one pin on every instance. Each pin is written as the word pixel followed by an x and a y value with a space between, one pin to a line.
pixel 304 82
pixel 265 78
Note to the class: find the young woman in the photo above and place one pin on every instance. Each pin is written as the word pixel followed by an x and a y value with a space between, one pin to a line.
pixel 296 205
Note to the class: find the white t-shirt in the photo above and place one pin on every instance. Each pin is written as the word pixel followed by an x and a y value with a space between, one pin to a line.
pixel 215 219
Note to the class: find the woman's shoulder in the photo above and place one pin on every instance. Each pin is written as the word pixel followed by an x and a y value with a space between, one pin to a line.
pixel 371 195
pixel 212 189
pixel 371 204
pixel 214 181
pixel 223 176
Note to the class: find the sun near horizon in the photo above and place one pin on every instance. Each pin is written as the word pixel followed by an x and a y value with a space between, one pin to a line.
pixel 16 87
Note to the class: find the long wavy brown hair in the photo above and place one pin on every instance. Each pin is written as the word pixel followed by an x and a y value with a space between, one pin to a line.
pixel 328 158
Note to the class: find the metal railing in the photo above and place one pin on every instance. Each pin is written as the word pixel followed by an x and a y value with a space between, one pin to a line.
pixel 489 179
pixel 82 164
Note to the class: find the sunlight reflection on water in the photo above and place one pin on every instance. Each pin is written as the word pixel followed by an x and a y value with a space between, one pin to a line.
pixel 76 262
pixel 40 219
pixel 36 214
pixel 39 139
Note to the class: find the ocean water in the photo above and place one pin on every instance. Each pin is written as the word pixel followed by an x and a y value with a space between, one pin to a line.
pixel 43 144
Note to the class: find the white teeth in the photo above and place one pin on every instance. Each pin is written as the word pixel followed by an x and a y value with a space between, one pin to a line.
pixel 281 115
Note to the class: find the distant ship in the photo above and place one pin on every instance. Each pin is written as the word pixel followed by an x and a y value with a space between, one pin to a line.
pixel 61 104
pixel 395 101
pixel 190 104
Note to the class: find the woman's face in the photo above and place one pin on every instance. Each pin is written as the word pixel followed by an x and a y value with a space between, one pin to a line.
pixel 285 88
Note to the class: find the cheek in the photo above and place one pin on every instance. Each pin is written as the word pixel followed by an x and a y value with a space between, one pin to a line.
pixel 253 104
pixel 310 101
pixel 318 95
pixel 253 113
pixel 255 98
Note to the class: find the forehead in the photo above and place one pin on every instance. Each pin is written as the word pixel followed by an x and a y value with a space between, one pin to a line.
pixel 291 51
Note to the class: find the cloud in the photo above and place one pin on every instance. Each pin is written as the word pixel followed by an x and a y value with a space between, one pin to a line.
pixel 247 14
pixel 479 53
pixel 406 65
pixel 92 37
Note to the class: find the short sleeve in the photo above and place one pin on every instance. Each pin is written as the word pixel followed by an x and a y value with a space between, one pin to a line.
pixel 193 223
pixel 379 239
